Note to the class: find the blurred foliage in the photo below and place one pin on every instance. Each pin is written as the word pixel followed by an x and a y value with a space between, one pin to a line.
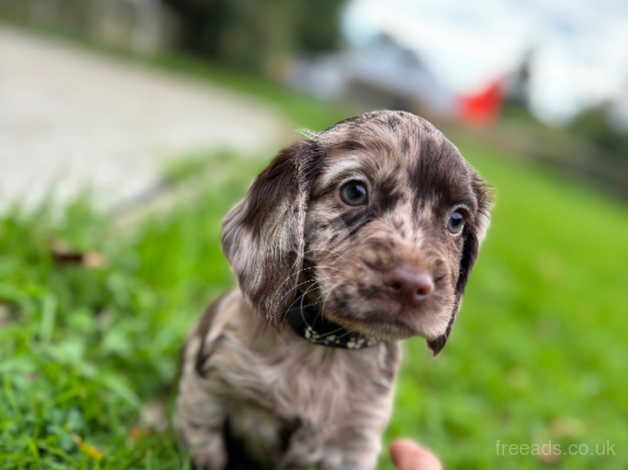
pixel 594 124
pixel 591 149
pixel 249 34
pixel 258 35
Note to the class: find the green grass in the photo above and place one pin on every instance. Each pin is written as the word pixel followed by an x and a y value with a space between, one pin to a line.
pixel 538 352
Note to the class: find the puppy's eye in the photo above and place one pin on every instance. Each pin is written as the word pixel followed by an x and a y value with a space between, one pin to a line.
pixel 354 193
pixel 455 224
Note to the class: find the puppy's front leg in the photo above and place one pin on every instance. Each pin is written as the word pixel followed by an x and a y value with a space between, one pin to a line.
pixel 199 423
pixel 199 416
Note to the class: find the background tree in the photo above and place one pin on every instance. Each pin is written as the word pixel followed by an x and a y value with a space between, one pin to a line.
pixel 258 35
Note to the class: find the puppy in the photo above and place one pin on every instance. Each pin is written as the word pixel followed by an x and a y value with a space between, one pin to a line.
pixel 349 241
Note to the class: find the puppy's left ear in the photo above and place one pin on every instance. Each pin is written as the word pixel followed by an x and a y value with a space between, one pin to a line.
pixel 263 235
pixel 474 235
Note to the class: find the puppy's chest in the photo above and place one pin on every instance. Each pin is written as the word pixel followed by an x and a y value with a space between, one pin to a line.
pixel 296 416
pixel 296 407
pixel 294 392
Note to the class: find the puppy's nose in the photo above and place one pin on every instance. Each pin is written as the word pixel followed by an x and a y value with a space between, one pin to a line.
pixel 409 284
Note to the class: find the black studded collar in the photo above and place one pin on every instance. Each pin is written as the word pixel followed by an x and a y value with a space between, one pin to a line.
pixel 307 322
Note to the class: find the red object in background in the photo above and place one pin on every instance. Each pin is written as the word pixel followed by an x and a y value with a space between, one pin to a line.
pixel 482 108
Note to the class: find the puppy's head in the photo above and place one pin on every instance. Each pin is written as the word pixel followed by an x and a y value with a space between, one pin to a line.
pixel 377 220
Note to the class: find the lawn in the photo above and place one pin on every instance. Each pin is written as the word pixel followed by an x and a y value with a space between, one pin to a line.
pixel 537 356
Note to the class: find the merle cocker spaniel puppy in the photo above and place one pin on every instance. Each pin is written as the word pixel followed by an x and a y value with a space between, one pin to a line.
pixel 349 241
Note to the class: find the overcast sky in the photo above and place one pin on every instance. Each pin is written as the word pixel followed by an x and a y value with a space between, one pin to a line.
pixel 581 46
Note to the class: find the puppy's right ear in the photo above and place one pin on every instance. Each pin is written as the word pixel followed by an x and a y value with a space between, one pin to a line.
pixel 263 235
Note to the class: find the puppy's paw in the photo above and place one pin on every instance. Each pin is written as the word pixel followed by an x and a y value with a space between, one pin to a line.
pixel 206 459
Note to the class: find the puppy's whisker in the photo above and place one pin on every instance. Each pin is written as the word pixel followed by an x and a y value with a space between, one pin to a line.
pixel 291 276
pixel 297 273
pixel 301 309
pixel 295 288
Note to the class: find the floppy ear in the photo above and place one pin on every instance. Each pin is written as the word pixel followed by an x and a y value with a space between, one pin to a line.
pixel 473 237
pixel 262 235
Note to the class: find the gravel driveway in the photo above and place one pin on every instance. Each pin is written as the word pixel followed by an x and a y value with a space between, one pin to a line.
pixel 70 119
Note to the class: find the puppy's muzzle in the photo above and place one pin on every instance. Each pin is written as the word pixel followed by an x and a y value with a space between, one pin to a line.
pixel 409 285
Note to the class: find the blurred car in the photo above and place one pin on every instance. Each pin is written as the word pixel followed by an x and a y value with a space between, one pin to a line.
pixel 384 74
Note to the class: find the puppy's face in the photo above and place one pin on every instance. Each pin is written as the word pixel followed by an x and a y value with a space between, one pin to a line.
pixel 386 220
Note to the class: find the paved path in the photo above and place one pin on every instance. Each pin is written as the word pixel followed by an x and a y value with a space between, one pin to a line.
pixel 69 118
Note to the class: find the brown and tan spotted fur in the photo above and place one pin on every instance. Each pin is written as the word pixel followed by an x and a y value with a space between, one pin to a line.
pixel 293 404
